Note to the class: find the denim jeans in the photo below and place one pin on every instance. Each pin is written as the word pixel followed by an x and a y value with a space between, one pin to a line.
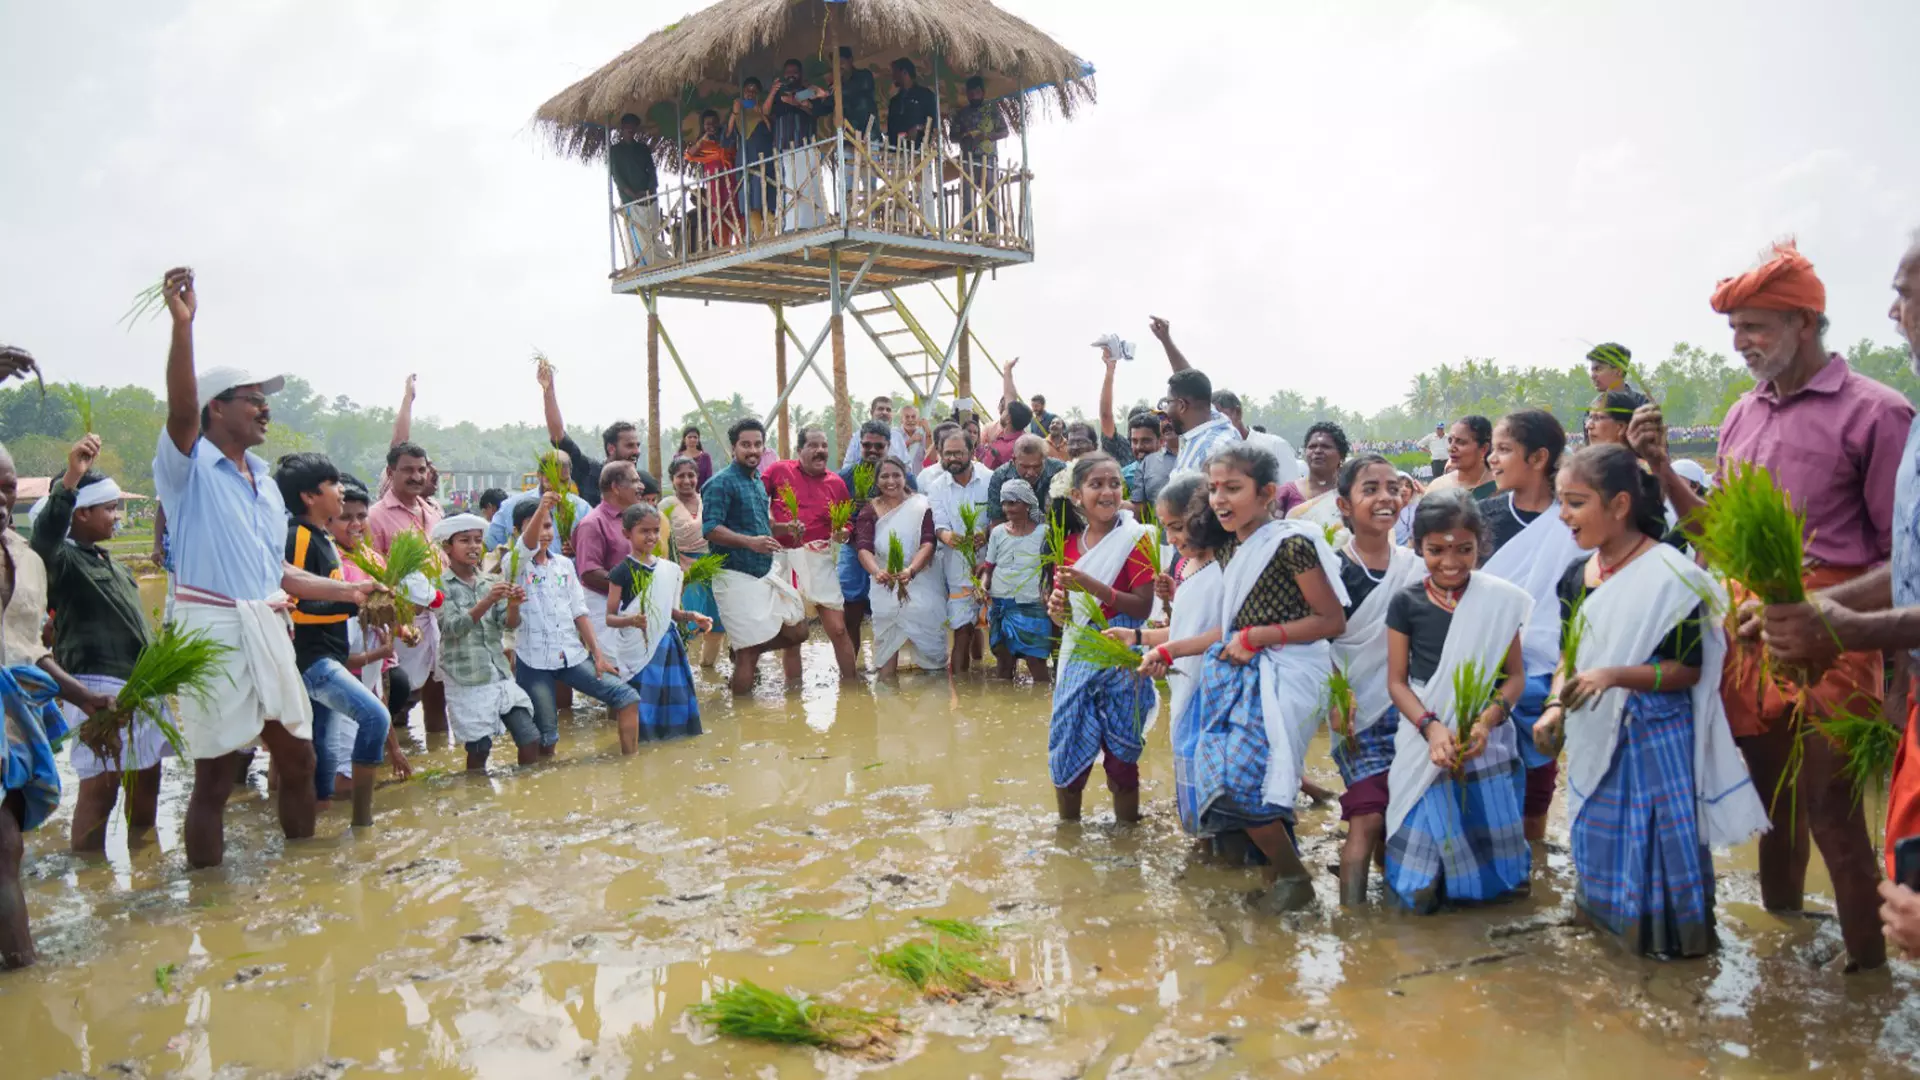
pixel 334 689
pixel 538 684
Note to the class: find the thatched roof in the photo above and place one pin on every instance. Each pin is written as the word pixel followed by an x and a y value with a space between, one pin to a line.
pixel 699 62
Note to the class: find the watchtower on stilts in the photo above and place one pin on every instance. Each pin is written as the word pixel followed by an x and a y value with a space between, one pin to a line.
pixel 785 216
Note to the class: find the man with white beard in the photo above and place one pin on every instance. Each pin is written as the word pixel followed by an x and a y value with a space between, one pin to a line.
pixel 1834 440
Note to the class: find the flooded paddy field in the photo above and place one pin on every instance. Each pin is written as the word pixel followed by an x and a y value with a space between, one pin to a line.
pixel 559 921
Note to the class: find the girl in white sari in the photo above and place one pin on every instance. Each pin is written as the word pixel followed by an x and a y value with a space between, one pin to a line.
pixel 1099 713
pixel 1453 803
pixel 1531 549
pixel 1373 568
pixel 1262 686
pixel 1654 778
pixel 921 617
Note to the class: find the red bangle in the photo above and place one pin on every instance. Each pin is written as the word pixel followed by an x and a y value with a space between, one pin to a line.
pixel 1246 638
pixel 1166 654
pixel 1283 635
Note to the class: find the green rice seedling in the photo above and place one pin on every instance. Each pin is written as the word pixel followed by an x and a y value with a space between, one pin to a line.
pixel 970 527
pixel 864 477
pixel 959 930
pixel 747 1011
pixel 177 663
pixel 410 553
pixel 1146 516
pixel 1340 706
pixel 1094 648
pixel 1330 532
pixel 1575 632
pixel 1473 688
pixel 513 561
pixel 1090 608
pixel 1867 746
pixel 1750 533
pixel 942 969
pixel 1151 549
pixel 703 571
pixel 148 303
pixel 839 515
pixel 82 405
pixel 897 564
pixel 672 546
pixel 552 467
pixel 790 499
pixel 163 978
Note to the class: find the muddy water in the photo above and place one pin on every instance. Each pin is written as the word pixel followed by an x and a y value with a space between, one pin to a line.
pixel 558 921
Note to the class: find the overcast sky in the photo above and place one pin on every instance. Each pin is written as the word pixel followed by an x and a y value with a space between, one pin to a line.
pixel 1324 197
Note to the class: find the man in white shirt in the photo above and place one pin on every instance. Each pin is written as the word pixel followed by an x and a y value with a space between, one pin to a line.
pixel 1436 447
pixel 961 482
pixel 1228 403
pixel 907 442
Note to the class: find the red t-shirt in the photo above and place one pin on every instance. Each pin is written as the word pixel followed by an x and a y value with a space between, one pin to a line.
pixel 1136 572
pixel 814 494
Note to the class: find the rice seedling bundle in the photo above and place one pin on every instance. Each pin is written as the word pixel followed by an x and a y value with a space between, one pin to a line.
pixel 790 500
pixel 1750 533
pixel 82 405
pixel 1867 745
pixel 839 515
pixel 1576 626
pixel 148 303
pixel 958 929
pixel 410 553
pixel 177 663
pixel 668 546
pixel 944 970
pixel 897 564
pixel 1473 688
pixel 554 476
pixel 1340 706
pixel 864 477
pixel 703 571
pixel 1150 547
pixel 747 1011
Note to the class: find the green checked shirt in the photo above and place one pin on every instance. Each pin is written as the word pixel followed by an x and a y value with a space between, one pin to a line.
pixel 470 651
pixel 98 627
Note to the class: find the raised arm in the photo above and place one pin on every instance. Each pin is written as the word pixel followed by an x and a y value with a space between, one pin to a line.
pixel 556 428
pixel 1106 395
pixel 1007 391
pixel 183 387
pixel 403 420
pixel 1163 330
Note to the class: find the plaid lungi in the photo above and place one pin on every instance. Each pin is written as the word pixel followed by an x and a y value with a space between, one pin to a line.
pixel 1023 629
pixel 1230 762
pixel 1464 841
pixel 1094 707
pixel 33 727
pixel 1644 875
pixel 1369 753
pixel 669 705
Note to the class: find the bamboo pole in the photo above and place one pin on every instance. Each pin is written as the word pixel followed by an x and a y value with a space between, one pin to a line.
pixel 963 378
pixel 653 389
pixel 842 406
pixel 780 379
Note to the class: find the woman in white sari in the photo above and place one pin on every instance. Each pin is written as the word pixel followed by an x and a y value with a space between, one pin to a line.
pixel 910 605
pixel 1531 549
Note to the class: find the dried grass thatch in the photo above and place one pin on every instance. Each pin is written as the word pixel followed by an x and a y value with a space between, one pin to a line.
pixel 698 62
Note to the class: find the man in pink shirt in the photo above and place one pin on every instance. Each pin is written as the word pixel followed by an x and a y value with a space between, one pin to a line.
pixel 599 545
pixel 406 506
pixel 808 542
pixel 1833 439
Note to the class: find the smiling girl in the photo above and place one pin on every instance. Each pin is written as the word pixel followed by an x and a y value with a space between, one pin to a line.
pixel 1373 569
pixel 1099 713
pixel 1453 810
pixel 1653 774
pixel 1531 547
pixel 1262 684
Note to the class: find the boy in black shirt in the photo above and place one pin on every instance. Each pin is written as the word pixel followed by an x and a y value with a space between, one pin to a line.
pixel 311 487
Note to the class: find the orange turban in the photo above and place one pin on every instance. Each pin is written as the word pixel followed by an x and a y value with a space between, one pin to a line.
pixel 1785 282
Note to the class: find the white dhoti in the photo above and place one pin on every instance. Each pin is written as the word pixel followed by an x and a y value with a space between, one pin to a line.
pixel 815 573
pixel 962 608
pixel 801 196
pixel 755 609
pixel 264 678
pixel 143 744
pixel 474 712
pixel 419 661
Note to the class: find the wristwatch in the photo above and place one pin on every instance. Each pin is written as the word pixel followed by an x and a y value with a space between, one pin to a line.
pixel 1137 639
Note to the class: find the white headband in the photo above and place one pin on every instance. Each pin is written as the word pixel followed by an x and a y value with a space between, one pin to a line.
pixel 96 494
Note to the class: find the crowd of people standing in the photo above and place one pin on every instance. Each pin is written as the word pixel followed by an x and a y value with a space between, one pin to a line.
pixel 1532 622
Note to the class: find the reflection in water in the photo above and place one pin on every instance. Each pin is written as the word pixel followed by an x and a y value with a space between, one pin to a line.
pixel 560 920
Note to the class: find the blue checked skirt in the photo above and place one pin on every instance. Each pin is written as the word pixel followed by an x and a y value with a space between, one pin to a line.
pixel 1644 874
pixel 1369 753
pixel 1231 752
pixel 34 726
pixel 668 704
pixel 1096 709
pixel 1464 841
pixel 1023 629
pixel 1526 713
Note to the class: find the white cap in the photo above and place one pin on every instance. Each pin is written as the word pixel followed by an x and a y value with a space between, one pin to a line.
pixel 217 381
pixel 1694 471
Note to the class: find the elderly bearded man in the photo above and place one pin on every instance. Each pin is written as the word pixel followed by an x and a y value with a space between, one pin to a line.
pixel 1833 438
